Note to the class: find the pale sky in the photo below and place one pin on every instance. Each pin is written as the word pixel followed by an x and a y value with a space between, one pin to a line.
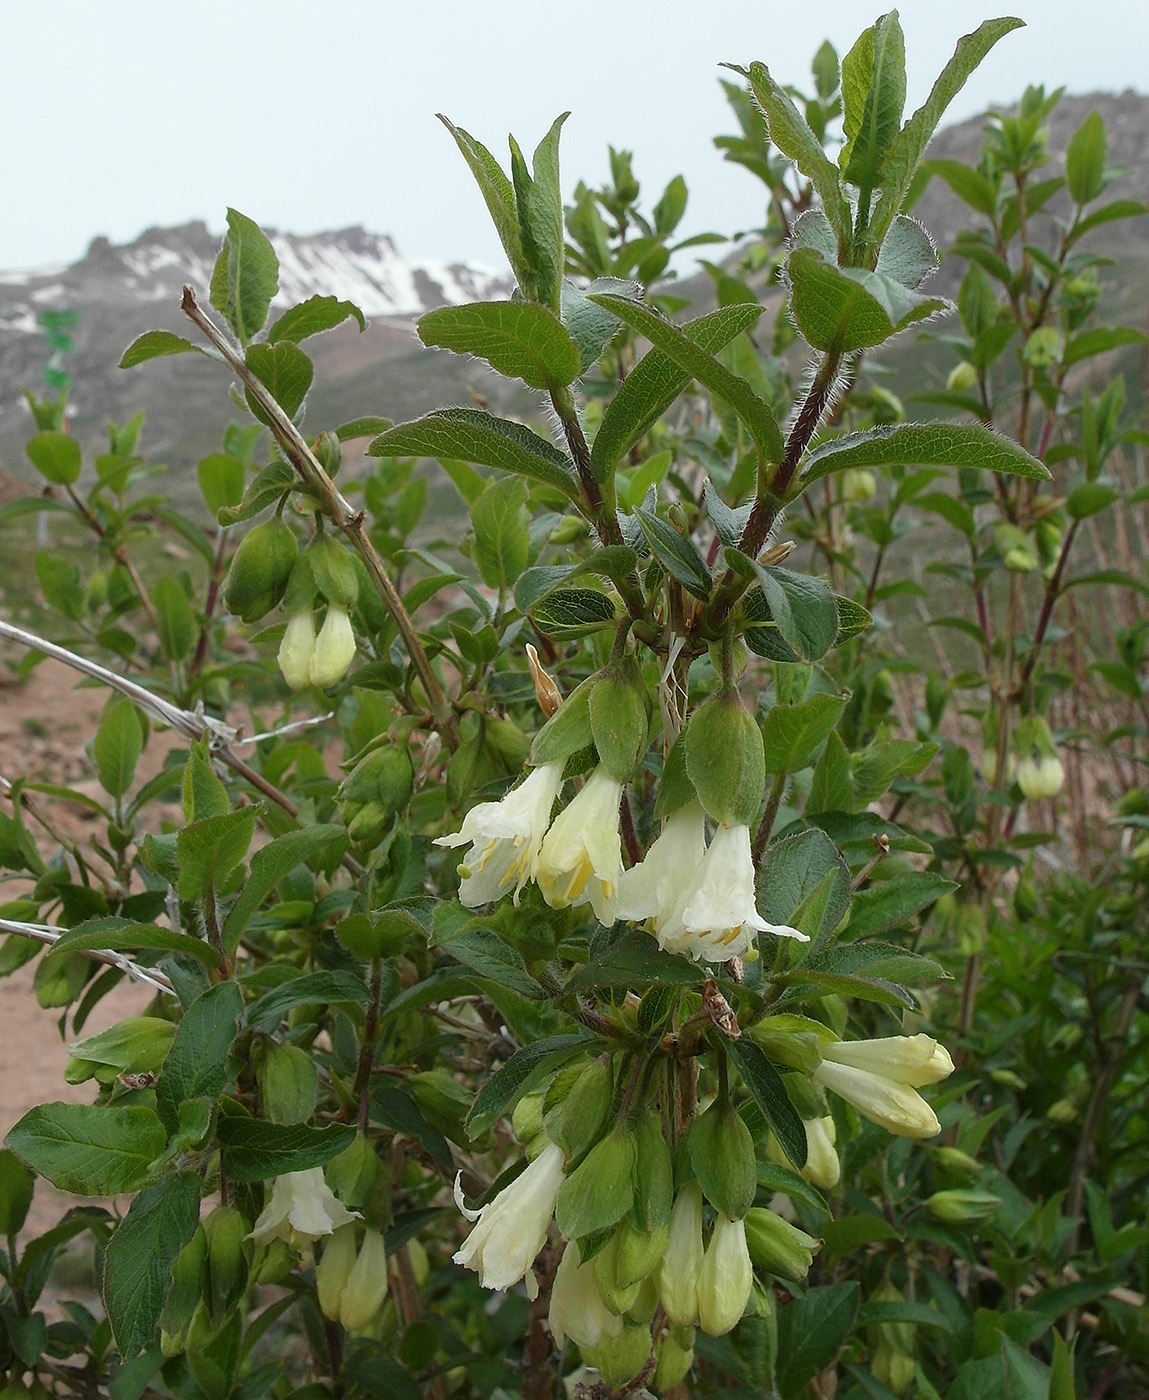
pixel 120 114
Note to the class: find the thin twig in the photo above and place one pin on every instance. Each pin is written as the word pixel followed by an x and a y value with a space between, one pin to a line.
pixel 45 933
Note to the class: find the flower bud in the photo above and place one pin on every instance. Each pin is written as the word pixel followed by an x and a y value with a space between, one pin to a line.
pixel 354 1172
pixel 189 1287
pixel 681 1266
pixel 296 648
pixel 527 1119
pixel 273 1263
pixel 822 1168
pixel 725 1278
pixel 1040 777
pixel 260 568
pixel 328 452
pixel 962 1207
pixel 722 1155
pixel 618 1298
pixel 1043 348
pixel 645 1305
pixel 962 378
pixel 621 1358
pixel 584 1112
pixel 333 1269
pixel 366 1285
pixel 639 1252
pixel 334 648
pixel 778 1247
pixel 653 1177
pixel 227 1257
pixel 858 485
pixel 675 1353
pixel 368 826
pixel 333 569
pixel 957 1162
pixel 600 1190
pixel 287 1078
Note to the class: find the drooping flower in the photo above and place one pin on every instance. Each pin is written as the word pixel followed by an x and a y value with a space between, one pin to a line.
pixel 334 648
pixel 822 1168
pixel 681 1265
pixel 577 1310
pixel 658 887
pixel 333 1270
pixel 301 1209
pixel 881 1077
pixel 581 857
pixel 505 837
pixel 366 1285
pixel 510 1230
pixel 720 917
pixel 726 1277
pixel 296 648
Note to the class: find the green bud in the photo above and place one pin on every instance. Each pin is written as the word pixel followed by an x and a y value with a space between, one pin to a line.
pixel 328 453
pixel 276 1263
pixel 1043 348
pixel 352 1175
pixel 599 1192
pixel 334 571
pixel 366 1285
pixel 779 1247
pixel 621 1358
pixel 962 378
pixel 639 1253
pixel 288 1079
pixel 369 825
pixel 653 1175
pixel 332 1271
pixel 1063 1112
pixel 957 1162
pixel 617 1297
pixel 1025 901
pixel 858 485
pixel 1007 1079
pixel 739 656
pixel 189 1286
pixel 645 1305
pixel 725 761
pixel 620 717
pixel 962 1207
pixel 227 1257
pixel 260 569
pixel 895 1369
pixel 886 407
pixel 97 592
pixel 527 1119
pixel 507 740
pixel 675 1358
pixel 584 1112
pixel 569 529
pixel 722 1155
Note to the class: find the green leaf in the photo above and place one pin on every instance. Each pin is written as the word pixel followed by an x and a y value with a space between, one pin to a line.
pixel 1116 209
pixel 970 185
pixel 676 553
pixel 540 207
pixel 255 1150
pixel 498 195
pixel 803 607
pixel 117 747
pixel 873 95
pixel 126 936
pixel 527 1066
pixel 908 255
pixel 890 903
pixel 805 884
pixel 56 456
pixel 245 278
pixel 152 344
pixel 573 612
pixel 269 865
pixel 266 488
pixel 791 733
pixel 591 327
pixel 635 960
pixel 314 988
pixel 791 133
pixel 701 365
pixel 1085 159
pixel 310 317
pixel 843 309
pixel 59 581
pixel 520 339
pixel 902 1310
pixel 483 951
pixel 769 1093
pixel 1099 341
pixel 874 971
pixel 209 850
pixel 656 381
pixel 177 627
pixel 16 1187
pixel 138 1264
pixel 1089 498
pixel 196 1064
pixel 474 436
pixel 501 522
pixel 89 1150
pixel 811 1331
pixel 908 146
pixel 1061 1383
pixel 221 481
pixel 284 371
pixel 926 445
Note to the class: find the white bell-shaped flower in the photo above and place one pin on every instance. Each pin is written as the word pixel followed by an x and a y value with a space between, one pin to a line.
pixel 726 1278
pixel 1040 777
pixel 581 857
pixel 301 1209
pixel 681 1264
pixel 881 1077
pixel 505 837
pixel 907 1059
pixel 510 1230
pixel 296 648
pixel 577 1310
pixel 658 887
pixel 334 648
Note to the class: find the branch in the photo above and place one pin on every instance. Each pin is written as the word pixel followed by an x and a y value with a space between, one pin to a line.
pixel 45 933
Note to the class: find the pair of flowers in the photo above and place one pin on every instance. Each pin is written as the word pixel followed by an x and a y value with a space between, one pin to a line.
pixel 306 659
pixel 698 897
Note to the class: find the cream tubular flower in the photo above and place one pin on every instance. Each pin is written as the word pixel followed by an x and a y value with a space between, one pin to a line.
pixel 658 887
pixel 1040 777
pixel 301 1209
pixel 726 1278
pixel 822 1169
pixel 366 1285
pixel 681 1265
pixel 895 1106
pixel 581 857
pixel 719 917
pixel 577 1309
pixel 906 1059
pixel 510 1230
pixel 505 837
pixel 296 648
pixel 334 648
